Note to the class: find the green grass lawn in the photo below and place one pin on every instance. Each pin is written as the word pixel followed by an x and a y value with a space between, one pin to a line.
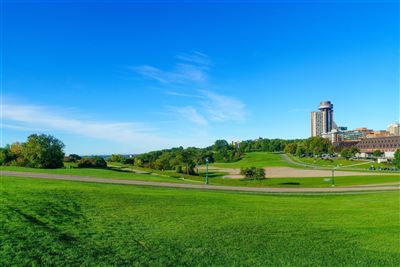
pixel 256 159
pixel 97 172
pixel 217 179
pixel 342 163
pixel 61 223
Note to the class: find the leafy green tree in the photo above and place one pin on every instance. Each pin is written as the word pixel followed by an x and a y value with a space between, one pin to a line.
pixel 301 150
pixel 290 148
pixel 43 151
pixel 5 155
pixel 72 158
pixel 377 153
pixel 345 153
pixel 396 160
pixel 354 150
pixel 116 158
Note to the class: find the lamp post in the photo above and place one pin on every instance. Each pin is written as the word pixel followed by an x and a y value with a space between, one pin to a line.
pixel 333 177
pixel 206 170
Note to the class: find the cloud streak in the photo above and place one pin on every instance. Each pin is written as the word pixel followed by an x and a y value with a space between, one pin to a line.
pixel 27 117
pixel 206 106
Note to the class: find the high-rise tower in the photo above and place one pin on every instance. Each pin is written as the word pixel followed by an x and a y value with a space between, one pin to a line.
pixel 322 120
pixel 326 108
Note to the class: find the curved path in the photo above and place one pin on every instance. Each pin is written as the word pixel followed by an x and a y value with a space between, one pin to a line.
pixel 381 187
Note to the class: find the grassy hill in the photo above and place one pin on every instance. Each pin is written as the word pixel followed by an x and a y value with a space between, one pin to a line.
pixel 256 159
pixel 98 172
pixel 44 222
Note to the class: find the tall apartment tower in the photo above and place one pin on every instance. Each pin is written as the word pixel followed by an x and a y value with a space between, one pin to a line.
pixel 322 120
pixel 326 108
pixel 316 123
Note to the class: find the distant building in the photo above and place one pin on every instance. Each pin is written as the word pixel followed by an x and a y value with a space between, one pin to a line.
pixel 388 145
pixel 381 133
pixel 316 123
pixel 322 120
pixel 235 144
pixel 394 128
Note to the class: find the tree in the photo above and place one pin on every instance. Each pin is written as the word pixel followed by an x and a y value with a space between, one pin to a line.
pixel 43 151
pixel 377 153
pixel 290 148
pixel 94 162
pixel 301 150
pixel 72 158
pixel 354 150
pixel 116 158
pixel 5 155
pixel 396 160
pixel 345 153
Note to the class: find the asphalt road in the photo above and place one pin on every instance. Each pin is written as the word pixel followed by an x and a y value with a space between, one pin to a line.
pixel 380 187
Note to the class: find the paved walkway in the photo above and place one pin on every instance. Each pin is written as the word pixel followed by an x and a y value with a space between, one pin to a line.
pixel 381 187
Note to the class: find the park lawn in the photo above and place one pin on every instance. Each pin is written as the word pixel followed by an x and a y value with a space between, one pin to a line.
pixel 340 181
pixel 98 172
pixel 256 159
pixel 342 163
pixel 63 223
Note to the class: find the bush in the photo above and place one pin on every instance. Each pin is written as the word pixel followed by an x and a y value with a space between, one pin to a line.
pixel 128 161
pixel 253 173
pixel 95 162
pixel 72 158
pixel 179 169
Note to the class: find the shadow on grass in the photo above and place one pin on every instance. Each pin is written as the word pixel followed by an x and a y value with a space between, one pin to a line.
pixel 290 183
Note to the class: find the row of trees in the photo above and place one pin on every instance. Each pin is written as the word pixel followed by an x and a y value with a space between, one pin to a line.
pixel 313 146
pixel 186 160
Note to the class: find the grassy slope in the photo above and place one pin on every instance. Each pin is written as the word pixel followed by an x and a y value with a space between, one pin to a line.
pixel 342 163
pixel 47 222
pixel 215 178
pixel 306 182
pixel 256 159
pixel 103 173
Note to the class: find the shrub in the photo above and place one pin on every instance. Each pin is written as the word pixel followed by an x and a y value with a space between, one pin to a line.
pixel 253 173
pixel 72 158
pixel 95 162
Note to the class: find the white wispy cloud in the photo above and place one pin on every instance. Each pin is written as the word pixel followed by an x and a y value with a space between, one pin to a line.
pixel 223 108
pixel 191 72
pixel 174 93
pixel 196 57
pixel 183 73
pixel 189 113
pixel 215 107
pixel 28 117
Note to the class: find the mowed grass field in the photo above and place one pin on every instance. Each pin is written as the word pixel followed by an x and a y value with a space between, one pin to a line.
pixel 98 172
pixel 215 177
pixel 341 163
pixel 340 181
pixel 256 159
pixel 60 223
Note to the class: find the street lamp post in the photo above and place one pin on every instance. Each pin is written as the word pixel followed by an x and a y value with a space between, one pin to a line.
pixel 206 170
pixel 333 177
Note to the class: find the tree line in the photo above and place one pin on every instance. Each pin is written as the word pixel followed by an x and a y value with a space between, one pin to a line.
pixel 186 160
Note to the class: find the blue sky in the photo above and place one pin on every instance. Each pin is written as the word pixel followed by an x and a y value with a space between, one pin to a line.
pixel 131 77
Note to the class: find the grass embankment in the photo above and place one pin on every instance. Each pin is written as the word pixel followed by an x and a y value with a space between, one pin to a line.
pixel 305 182
pixel 62 223
pixel 256 159
pixel 345 164
pixel 215 178
pixel 115 173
